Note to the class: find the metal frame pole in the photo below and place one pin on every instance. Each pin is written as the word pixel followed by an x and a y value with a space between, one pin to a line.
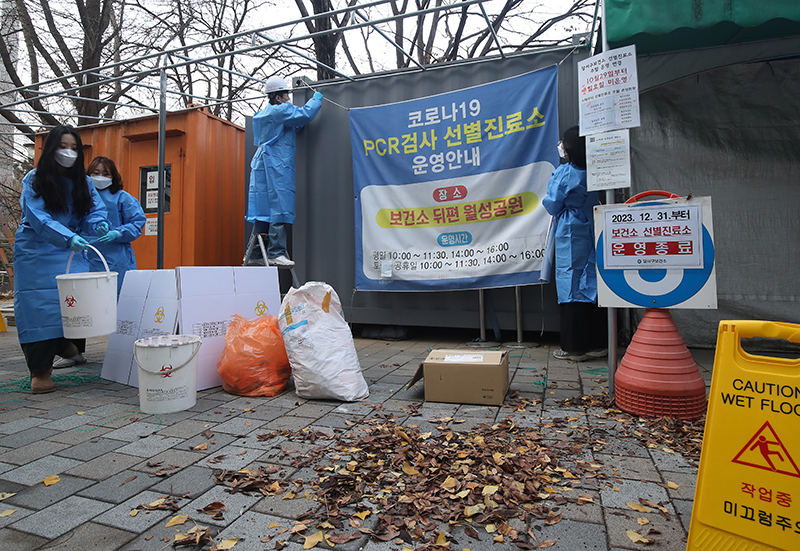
pixel 612 312
pixel 162 173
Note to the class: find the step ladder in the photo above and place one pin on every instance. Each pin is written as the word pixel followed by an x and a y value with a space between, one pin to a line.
pixel 251 245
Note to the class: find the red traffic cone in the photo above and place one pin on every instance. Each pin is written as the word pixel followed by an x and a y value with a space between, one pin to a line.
pixel 657 377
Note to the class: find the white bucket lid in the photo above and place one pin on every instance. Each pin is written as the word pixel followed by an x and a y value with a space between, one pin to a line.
pixel 162 341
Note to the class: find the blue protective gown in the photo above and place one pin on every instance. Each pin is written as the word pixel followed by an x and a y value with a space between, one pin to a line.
pixel 570 204
pixel 272 170
pixel 41 253
pixel 127 217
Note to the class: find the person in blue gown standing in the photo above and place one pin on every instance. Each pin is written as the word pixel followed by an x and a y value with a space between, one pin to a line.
pixel 583 324
pixel 271 198
pixel 126 216
pixel 58 202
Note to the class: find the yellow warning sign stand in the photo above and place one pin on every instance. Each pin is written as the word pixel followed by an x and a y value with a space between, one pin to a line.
pixel 748 488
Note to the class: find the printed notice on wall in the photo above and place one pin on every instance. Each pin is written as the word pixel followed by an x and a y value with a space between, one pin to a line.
pixel 151 226
pixel 608 160
pixel 608 91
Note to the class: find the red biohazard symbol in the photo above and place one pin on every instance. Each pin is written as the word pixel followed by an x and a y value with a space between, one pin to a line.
pixel 166 371
pixel 70 301
pixel 766 451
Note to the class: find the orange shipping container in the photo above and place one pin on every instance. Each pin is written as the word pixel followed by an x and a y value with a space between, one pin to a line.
pixel 204 207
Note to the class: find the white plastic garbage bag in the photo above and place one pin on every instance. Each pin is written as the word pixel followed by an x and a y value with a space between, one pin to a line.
pixel 320 345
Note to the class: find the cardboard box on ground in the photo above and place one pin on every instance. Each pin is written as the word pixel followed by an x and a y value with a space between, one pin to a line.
pixel 188 300
pixel 464 376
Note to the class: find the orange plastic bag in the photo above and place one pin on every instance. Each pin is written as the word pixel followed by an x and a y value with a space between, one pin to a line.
pixel 254 361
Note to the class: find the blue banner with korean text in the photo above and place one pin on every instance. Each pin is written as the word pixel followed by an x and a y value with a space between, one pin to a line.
pixel 448 188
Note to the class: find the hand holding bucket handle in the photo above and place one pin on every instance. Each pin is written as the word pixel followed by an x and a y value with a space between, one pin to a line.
pixel 105 264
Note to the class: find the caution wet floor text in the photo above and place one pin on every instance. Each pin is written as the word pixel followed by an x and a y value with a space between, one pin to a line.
pixel 748 488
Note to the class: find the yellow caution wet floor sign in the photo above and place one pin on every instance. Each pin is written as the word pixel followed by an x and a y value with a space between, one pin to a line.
pixel 748 488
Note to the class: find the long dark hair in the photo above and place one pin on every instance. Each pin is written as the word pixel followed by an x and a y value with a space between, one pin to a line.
pixel 47 181
pixel 575 146
pixel 116 177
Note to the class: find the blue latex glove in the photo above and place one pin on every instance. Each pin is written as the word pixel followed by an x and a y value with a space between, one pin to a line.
pixel 113 235
pixel 318 95
pixel 77 243
pixel 102 229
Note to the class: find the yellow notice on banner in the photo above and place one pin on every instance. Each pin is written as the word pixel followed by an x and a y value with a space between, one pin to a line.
pixel 748 487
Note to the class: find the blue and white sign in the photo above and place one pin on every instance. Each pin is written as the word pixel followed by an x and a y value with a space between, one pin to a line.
pixel 448 188
pixel 656 254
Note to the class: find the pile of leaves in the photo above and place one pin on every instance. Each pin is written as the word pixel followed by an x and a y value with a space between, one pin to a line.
pixel 669 434
pixel 415 483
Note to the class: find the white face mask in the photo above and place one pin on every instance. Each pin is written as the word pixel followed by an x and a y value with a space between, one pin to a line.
pixel 101 182
pixel 66 157
pixel 561 152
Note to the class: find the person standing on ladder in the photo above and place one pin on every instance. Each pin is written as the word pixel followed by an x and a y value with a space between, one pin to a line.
pixel 272 171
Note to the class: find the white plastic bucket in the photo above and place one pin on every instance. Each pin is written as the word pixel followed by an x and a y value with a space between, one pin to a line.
pixel 167 372
pixel 88 301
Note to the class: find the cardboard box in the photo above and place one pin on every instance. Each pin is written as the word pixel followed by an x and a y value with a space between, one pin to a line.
pixel 192 300
pixel 464 376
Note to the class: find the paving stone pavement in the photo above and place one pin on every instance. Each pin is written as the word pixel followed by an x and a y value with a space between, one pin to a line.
pixel 111 457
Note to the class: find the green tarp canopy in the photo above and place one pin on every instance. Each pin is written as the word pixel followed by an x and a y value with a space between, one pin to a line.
pixel 669 25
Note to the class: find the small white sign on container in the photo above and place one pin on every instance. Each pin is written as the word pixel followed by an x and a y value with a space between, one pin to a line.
pixel 151 226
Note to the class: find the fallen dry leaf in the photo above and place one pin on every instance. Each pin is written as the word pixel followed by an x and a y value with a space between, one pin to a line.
pixel 672 485
pixel 635 537
pixel 341 537
pixel 213 508
pixel 203 446
pixel 642 521
pixel 545 544
pixel 134 512
pixel 312 540
pixel 50 480
pixel 7 512
pixel 129 479
pixel 225 544
pixel 6 495
pixel 177 520
pixel 639 507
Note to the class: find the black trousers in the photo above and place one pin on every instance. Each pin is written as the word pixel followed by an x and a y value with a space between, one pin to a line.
pixel 39 355
pixel 584 327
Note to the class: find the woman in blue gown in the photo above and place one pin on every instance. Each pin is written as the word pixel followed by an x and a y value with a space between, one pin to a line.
pixel 583 324
pixel 59 202
pixel 126 216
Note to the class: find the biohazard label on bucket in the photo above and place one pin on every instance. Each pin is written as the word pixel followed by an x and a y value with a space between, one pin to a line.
pixel 76 321
pixel 748 486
